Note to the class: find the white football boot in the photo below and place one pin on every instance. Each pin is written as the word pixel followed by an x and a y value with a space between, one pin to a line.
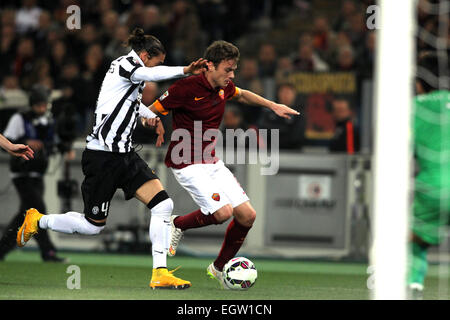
pixel 175 237
pixel 213 273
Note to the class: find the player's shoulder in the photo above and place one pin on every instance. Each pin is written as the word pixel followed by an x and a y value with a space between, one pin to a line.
pixel 186 85
pixel 127 61
pixel 230 89
pixel 190 80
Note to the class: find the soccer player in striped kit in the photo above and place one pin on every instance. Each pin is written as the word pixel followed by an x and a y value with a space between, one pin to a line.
pixel 210 183
pixel 109 161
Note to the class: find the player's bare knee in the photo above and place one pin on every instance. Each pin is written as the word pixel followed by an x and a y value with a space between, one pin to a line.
pixel 248 217
pixel 223 214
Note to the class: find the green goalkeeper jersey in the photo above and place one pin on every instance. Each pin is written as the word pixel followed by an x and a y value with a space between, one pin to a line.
pixel 432 143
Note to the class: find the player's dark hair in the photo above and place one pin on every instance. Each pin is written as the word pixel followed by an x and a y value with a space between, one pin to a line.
pixel 220 51
pixel 140 41
pixel 428 61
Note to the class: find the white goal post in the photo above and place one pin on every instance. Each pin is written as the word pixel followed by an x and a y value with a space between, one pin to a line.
pixel 394 79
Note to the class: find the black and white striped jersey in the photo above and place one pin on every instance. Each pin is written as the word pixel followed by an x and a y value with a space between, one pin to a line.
pixel 119 102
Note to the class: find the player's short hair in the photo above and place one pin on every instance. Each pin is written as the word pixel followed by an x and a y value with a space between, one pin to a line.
pixel 220 51
pixel 140 41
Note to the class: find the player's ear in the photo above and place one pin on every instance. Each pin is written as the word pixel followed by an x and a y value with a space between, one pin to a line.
pixel 143 56
pixel 209 66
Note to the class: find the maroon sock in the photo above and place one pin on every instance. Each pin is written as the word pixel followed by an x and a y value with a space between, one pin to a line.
pixel 194 219
pixel 234 237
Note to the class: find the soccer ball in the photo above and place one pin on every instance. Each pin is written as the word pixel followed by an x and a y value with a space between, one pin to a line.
pixel 239 273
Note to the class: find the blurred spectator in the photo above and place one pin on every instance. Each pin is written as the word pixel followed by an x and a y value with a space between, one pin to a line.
pixel 86 38
pixel 284 69
pixel 348 9
pixel 322 36
pixel 27 17
pixel 11 95
pixel 341 40
pixel 345 59
pixel 292 131
pixel 184 28
pixel 346 136
pixel 212 16
pixel 366 57
pixel 308 60
pixel 152 24
pixel 58 56
pixel 41 69
pixel 8 18
pixel 7 49
pixel 94 69
pixel 47 82
pixel 70 101
pixel 24 61
pixel 357 30
pixel 116 47
pixel 134 16
pixel 247 77
pixel 267 60
pixel 41 34
pixel 12 99
pixel 110 21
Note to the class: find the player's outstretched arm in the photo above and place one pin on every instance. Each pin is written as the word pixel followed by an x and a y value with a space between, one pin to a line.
pixel 17 150
pixel 161 73
pixel 248 97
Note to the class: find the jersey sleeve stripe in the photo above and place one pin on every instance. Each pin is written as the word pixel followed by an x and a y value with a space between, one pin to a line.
pixel 237 91
pixel 160 107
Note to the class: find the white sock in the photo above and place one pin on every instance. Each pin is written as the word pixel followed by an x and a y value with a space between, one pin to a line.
pixel 159 231
pixel 70 222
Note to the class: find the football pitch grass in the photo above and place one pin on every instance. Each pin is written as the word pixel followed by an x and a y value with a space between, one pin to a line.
pixel 23 276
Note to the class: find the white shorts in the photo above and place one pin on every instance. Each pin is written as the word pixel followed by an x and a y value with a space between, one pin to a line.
pixel 212 186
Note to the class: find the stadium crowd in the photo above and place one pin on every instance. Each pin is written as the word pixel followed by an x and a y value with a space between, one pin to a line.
pixel 276 38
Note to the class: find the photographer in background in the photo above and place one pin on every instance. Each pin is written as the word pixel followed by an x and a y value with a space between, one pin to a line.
pixel 36 129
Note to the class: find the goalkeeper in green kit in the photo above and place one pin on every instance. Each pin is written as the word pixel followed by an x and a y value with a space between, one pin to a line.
pixel 431 206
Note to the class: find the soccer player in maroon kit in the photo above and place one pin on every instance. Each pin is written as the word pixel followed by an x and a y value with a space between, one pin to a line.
pixel 197 104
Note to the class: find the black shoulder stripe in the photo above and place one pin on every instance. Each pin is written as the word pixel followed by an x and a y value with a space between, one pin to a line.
pixel 127 74
pixel 131 60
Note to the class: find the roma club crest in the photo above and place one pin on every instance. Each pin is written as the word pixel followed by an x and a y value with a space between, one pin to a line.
pixel 216 196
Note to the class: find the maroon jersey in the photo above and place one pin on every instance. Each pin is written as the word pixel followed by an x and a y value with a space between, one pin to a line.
pixel 196 107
